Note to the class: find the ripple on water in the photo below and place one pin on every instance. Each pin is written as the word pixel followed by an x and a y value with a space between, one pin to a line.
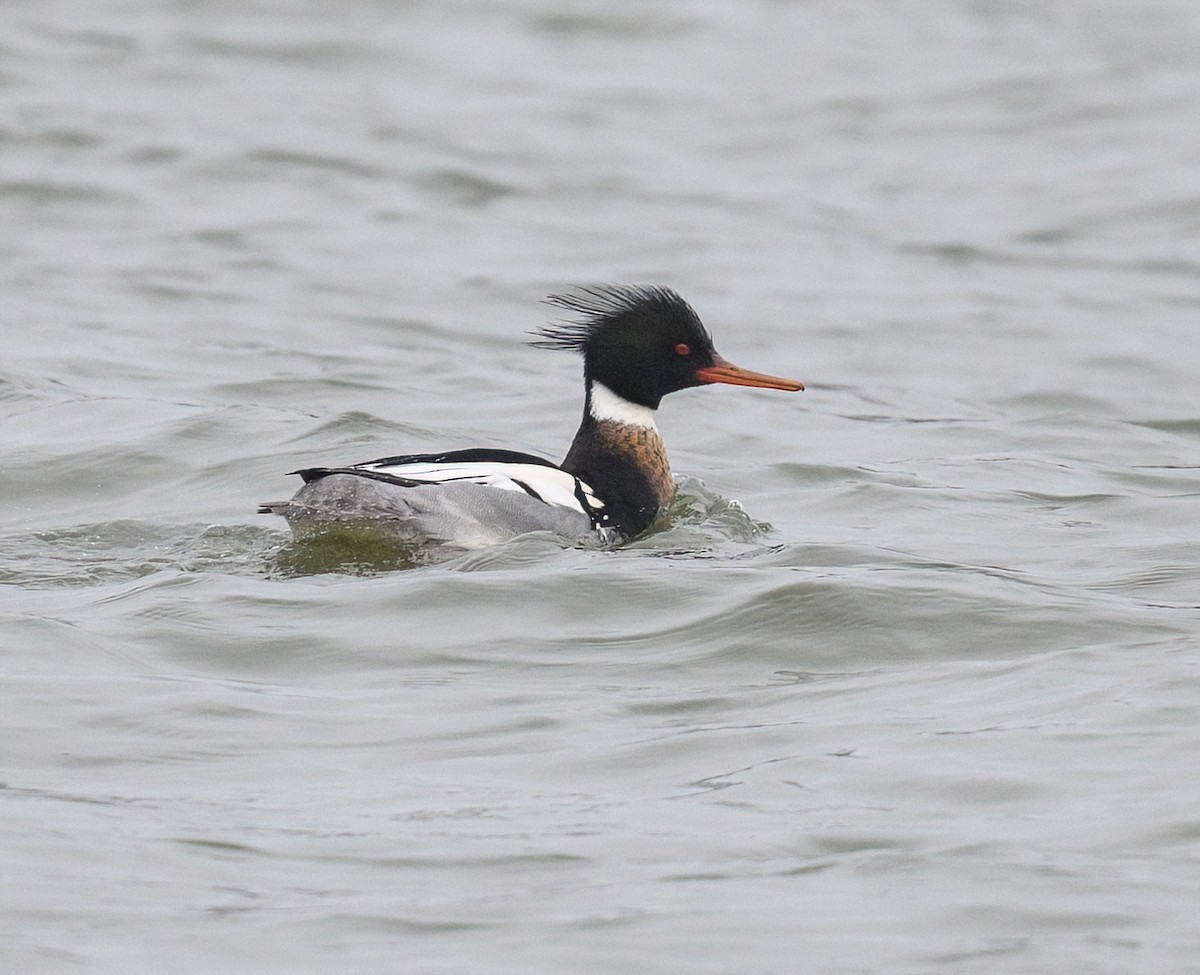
pixel 116 551
pixel 699 524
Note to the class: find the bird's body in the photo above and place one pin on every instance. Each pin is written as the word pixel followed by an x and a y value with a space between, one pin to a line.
pixel 638 344
pixel 465 498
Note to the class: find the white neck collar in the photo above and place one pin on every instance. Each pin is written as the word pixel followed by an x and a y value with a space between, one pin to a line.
pixel 604 404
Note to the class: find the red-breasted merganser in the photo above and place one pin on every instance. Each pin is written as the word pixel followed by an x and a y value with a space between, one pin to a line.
pixel 638 344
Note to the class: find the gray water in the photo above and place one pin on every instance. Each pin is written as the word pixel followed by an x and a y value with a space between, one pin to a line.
pixel 907 680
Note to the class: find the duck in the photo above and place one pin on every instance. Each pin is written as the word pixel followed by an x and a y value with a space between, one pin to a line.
pixel 638 344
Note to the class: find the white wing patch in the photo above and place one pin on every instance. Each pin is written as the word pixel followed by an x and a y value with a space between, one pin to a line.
pixel 550 484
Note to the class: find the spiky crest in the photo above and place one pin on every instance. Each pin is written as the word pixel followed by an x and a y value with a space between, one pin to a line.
pixel 597 305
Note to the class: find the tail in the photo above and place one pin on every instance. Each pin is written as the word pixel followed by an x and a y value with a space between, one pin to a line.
pixel 274 507
pixel 288 507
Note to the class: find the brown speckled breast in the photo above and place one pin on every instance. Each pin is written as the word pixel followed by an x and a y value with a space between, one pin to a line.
pixel 643 448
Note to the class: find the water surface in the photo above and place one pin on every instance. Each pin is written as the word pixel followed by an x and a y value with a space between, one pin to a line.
pixel 907 679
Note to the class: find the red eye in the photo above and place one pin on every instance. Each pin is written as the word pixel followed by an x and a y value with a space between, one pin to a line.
pixel 683 349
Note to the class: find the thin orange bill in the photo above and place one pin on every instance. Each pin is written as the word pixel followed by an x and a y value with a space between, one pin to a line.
pixel 722 371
